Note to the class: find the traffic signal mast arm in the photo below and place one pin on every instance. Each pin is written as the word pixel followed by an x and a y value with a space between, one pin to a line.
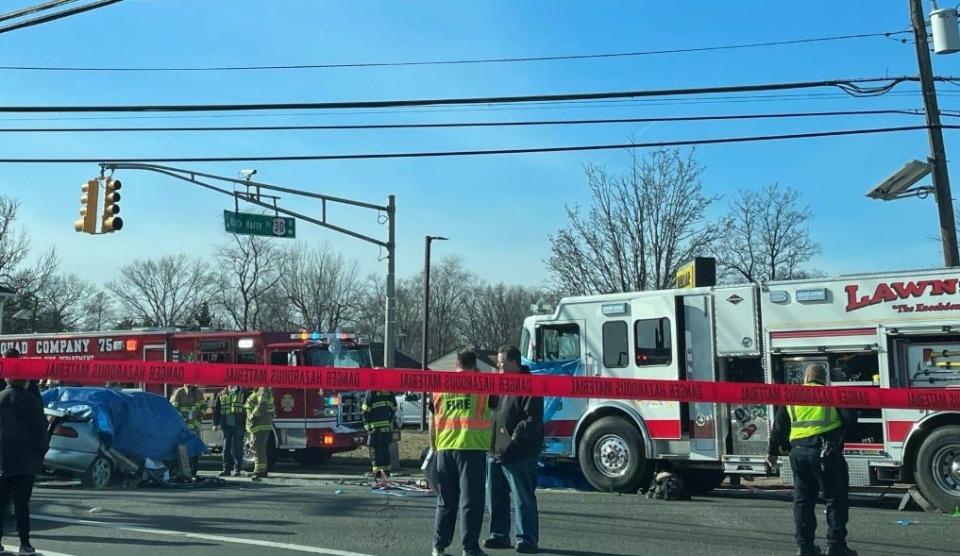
pixel 254 198
pixel 390 210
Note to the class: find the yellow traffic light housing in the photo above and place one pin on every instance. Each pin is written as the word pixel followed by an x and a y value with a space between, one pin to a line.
pixel 109 221
pixel 88 208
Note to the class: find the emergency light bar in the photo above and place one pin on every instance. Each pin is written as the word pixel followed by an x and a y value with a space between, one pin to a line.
pixel 326 338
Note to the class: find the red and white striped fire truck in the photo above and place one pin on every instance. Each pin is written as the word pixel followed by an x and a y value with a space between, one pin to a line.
pixel 889 330
pixel 311 425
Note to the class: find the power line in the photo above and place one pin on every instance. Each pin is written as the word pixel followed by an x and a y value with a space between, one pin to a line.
pixel 440 125
pixel 456 61
pixel 850 86
pixel 61 14
pixel 34 9
pixel 484 152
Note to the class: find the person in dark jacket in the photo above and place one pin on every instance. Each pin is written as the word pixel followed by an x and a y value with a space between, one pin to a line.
pixel 813 436
pixel 33 386
pixel 23 443
pixel 517 441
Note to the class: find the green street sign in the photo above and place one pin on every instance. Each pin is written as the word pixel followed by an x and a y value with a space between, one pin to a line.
pixel 259 224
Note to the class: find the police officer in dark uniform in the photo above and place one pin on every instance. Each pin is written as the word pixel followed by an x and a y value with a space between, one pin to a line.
pixel 813 436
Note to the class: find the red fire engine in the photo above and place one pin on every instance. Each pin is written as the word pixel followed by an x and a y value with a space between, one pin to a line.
pixel 311 425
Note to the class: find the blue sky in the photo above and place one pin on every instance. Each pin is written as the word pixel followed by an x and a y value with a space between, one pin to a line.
pixel 498 211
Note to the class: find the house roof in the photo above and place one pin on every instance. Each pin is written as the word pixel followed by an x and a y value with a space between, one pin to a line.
pixel 400 360
pixel 7 292
pixel 486 360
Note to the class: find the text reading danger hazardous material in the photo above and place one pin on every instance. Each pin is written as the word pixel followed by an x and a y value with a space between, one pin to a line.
pixel 398 380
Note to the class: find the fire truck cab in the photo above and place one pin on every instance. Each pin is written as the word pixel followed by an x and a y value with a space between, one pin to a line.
pixel 891 330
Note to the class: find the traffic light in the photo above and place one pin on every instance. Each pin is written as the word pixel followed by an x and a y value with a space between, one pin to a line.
pixel 109 221
pixel 88 208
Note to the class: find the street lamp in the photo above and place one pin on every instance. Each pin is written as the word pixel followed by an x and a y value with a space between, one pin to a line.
pixel 425 351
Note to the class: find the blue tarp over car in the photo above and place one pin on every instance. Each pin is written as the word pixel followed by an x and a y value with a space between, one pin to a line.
pixel 136 424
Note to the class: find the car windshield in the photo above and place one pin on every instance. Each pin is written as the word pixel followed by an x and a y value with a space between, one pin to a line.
pixel 320 356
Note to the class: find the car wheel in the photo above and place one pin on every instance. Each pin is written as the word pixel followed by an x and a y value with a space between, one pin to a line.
pixel 612 457
pixel 99 474
pixel 937 470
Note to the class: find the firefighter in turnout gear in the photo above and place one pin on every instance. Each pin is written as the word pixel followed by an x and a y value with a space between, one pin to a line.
pixel 260 414
pixel 230 417
pixel 379 410
pixel 813 436
pixel 188 400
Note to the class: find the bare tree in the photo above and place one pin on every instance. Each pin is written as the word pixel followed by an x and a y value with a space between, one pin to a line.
pixel 99 312
pixel 495 312
pixel 248 268
pixel 767 236
pixel 321 286
pixel 14 245
pixel 63 300
pixel 641 227
pixel 165 291
pixel 29 282
pixel 450 286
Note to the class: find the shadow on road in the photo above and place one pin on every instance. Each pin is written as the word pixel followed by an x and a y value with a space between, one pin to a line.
pixel 130 541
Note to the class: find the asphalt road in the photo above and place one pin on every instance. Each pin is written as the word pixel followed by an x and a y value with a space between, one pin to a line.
pixel 282 516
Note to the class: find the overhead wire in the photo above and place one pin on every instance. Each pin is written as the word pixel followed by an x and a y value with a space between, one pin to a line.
pixel 463 61
pixel 59 15
pixel 479 152
pixel 34 9
pixel 854 87
pixel 441 125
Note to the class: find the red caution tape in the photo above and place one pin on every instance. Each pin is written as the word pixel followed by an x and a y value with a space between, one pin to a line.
pixel 402 380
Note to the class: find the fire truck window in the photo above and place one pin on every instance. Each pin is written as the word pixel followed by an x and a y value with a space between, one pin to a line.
pixel 616 352
pixel 560 343
pixel 278 358
pixel 321 357
pixel 653 342
pixel 249 357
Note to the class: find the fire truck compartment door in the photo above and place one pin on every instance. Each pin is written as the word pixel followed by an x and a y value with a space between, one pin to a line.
pixel 697 345
pixel 736 321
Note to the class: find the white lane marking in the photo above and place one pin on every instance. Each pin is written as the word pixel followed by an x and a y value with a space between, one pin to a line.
pixel 42 552
pixel 201 536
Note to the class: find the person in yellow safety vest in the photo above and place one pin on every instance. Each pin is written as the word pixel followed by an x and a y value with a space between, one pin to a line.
pixel 461 436
pixel 379 409
pixel 260 414
pixel 188 400
pixel 229 416
pixel 813 436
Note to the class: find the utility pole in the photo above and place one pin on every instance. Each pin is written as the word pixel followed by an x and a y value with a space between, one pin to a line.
pixel 390 322
pixel 938 157
pixel 425 345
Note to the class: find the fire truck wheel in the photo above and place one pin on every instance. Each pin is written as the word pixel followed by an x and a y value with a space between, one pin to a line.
pixel 612 456
pixel 99 474
pixel 312 456
pixel 937 471
pixel 701 481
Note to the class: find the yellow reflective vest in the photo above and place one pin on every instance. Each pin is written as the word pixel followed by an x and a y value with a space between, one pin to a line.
pixel 811 420
pixel 462 422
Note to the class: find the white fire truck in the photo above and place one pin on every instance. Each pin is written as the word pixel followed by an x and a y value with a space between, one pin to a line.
pixel 311 425
pixel 890 330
